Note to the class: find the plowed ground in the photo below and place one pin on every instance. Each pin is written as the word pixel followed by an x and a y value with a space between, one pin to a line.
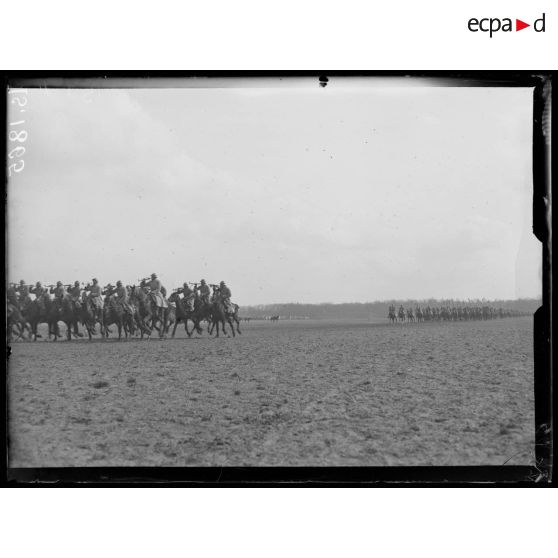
pixel 293 393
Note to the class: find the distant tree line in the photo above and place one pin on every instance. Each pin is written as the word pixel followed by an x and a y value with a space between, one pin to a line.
pixel 374 310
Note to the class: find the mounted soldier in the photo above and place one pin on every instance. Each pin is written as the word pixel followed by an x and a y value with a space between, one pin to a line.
pixel 95 295
pixel 11 294
pixel 59 293
pixel 123 297
pixel 24 298
pixel 225 294
pixel 40 292
pixel 74 292
pixel 108 291
pixel 157 292
pixel 159 304
pixel 117 310
pixel 189 296
pixel 222 310
pixel 215 297
pixel 204 291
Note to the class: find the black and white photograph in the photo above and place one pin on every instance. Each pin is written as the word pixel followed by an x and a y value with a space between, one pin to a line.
pixel 270 272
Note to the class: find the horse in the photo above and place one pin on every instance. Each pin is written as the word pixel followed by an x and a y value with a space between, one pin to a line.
pixel 391 314
pixel 68 313
pixel 401 314
pixel 42 311
pixel 16 320
pixel 183 314
pixel 170 317
pixel 159 313
pixel 90 315
pixel 144 318
pixel 203 312
pixel 274 318
pixel 235 318
pixel 229 317
pixel 114 313
pixel 220 316
pixel 410 315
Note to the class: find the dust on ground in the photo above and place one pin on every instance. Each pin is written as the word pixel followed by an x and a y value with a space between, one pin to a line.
pixel 309 393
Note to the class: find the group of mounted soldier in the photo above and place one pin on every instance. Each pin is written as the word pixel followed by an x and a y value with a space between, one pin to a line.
pixel 133 308
pixel 448 313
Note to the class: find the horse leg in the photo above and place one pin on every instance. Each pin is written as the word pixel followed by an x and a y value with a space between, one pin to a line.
pixel 139 325
pixel 28 328
pixel 195 326
pixel 55 331
pixel 21 329
pixel 167 322
pixel 230 322
pixel 238 325
pixel 161 320
pixel 99 318
pixel 145 329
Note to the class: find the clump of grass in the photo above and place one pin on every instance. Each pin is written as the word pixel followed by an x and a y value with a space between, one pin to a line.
pixel 100 384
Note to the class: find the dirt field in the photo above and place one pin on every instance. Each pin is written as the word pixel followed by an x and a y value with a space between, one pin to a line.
pixel 282 394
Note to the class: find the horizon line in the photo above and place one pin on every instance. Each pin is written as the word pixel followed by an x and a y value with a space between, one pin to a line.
pixel 413 300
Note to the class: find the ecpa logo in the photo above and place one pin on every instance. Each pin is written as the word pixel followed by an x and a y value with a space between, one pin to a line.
pixel 492 25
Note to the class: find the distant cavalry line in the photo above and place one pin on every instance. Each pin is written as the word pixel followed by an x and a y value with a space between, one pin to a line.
pixel 449 313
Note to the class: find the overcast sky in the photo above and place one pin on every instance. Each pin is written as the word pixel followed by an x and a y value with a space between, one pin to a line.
pixel 289 194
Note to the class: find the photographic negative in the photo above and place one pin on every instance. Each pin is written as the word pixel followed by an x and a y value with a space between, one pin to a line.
pixel 271 272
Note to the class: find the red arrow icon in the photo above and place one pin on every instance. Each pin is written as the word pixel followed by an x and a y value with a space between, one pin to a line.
pixel 519 25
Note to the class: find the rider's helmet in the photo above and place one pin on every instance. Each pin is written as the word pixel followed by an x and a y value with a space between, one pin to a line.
pixel 95 280
pixel 202 281
pixel 119 283
pixel 153 276
pixel 222 284
pixel 58 283
pixel 185 284
pixel 38 284
pixel 22 282
pixel 76 283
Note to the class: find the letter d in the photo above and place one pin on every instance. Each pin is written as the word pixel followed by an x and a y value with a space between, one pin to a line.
pixel 535 25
